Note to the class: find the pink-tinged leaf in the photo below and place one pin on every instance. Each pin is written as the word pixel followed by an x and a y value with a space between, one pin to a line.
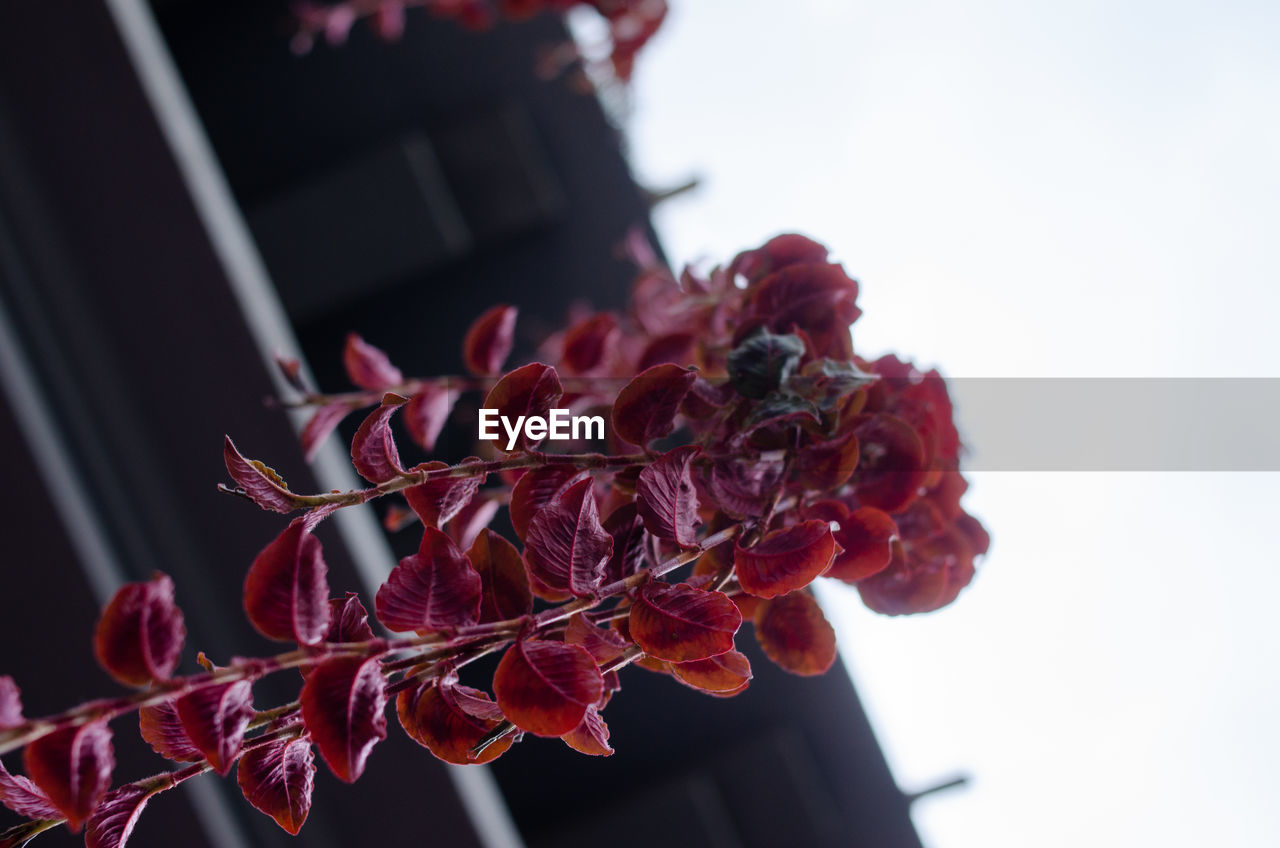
pixel 464 528
pixel 139 637
pixel 785 560
pixel 277 779
pixel 449 720
pixel 10 703
pixel 566 547
pixel 215 719
pixel 437 501
pixel 891 466
pixel 286 593
pixel 744 489
pixel 544 688
pixel 260 483
pixel 388 20
pixel 629 539
pixel 680 623
pixel 505 592
pixel 21 795
pixel 427 412
pixel 348 620
pixel 591 736
pixel 605 646
pixel 590 344
pixel 73 766
pixel 646 407
pixel 162 729
pixel 368 367
pixel 373 450
pixel 489 341
pixel 291 371
pixel 434 589
pixel 673 348
pixel 321 423
pixel 112 823
pixel 343 702
pixel 666 498
pixel 795 634
pixel 535 490
pixel 723 675
pixel 531 390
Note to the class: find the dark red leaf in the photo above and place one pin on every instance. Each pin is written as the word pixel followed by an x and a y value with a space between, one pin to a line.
pixel 434 589
pixel 437 501
pixel 777 252
pixel 348 620
pixel 891 465
pixel 629 538
pixel 505 592
pixel 527 391
pixel 744 488
pixel 675 348
pixel 72 766
pixel 262 484
pixel 865 535
pixel 342 704
pixel 321 423
pixel 278 779
pixel 818 298
pixel 286 593
pixel 489 340
pixel 139 637
pixel 666 499
pixel 162 729
pixel 795 634
pixel 427 412
pixel 589 345
pixel 10 703
pixel 591 736
pixel 923 575
pixel 368 367
pixel 646 407
pixel 112 823
pixel 21 795
pixel 449 720
pixel 680 623
pixel 373 450
pixel 827 465
pixel 535 490
pixel 471 519
pixel 723 675
pixel 566 547
pixel 605 646
pixel 544 687
pixel 785 560
pixel 215 719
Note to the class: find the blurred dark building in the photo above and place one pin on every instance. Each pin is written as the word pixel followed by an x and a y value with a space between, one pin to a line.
pixel 180 196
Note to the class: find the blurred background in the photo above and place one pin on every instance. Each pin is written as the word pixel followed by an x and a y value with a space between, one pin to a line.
pixel 1027 192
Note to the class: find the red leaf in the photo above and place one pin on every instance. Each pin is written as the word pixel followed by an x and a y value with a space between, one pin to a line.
pixel 373 450
pixel 139 637
pixel 215 719
pixel 434 589
pixel 368 367
pixel 891 465
pixel 795 634
pixel 527 391
pixel 427 412
pixel 286 594
pixel 73 767
pixel 437 501
pixel 777 252
pixel 566 547
pixel 112 823
pixel 465 527
pixel 348 620
pixel 605 646
pixel 666 498
pixel 535 490
pixel 278 779
pixel 827 465
pixel 865 535
pixel 10 703
pixel 785 560
pixel 21 795
pixel 449 720
pixel 629 538
pixel 591 736
pixel 675 348
pixel 544 687
pixel 342 704
pixel 589 345
pixel 505 592
pixel 744 488
pixel 321 423
pixel 680 623
pixel 162 729
pixel 646 407
pixel 262 484
pixel 489 340
pixel 723 675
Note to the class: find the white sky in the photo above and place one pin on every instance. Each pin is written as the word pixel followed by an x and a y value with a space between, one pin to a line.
pixel 1031 189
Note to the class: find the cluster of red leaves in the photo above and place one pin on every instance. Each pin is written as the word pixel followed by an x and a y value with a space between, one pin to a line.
pixel 630 23
pixel 746 440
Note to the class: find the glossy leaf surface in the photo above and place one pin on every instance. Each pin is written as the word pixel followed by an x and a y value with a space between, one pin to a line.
pixel 140 634
pixel 545 687
pixel 343 704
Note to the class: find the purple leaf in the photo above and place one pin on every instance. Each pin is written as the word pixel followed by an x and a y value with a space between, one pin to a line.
pixel 342 704
pixel 536 489
pixel 278 779
pixel 591 736
pixel 22 796
pixel 627 529
pixel 434 589
pixel 286 594
pixel 489 341
pixel 437 501
pixel 646 407
pixel 373 450
pixel 73 767
pixel 215 719
pixel 426 413
pixel 348 620
pixel 368 367
pixel 262 484
pixel 320 425
pixel 112 823
pixel 505 592
pixel 139 637
pixel 566 547
pixel 162 729
pixel 528 391
pixel 10 703
pixel 666 499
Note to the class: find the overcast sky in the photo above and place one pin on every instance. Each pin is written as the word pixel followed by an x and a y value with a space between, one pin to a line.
pixel 1031 189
